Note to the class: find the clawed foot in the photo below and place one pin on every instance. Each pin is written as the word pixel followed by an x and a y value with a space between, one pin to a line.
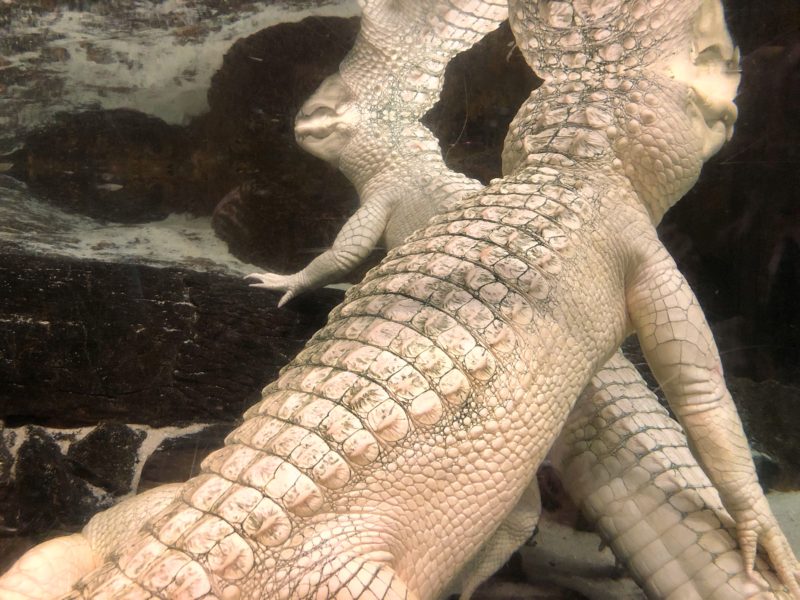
pixel 757 525
pixel 273 281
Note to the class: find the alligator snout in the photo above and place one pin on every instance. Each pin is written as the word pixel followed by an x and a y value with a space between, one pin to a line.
pixel 319 124
pixel 325 123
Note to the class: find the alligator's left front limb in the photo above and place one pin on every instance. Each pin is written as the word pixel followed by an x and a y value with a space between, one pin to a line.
pixel 353 244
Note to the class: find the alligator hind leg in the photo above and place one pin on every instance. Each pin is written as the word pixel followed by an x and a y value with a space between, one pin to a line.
pixel 627 465
pixel 515 530
pixel 357 579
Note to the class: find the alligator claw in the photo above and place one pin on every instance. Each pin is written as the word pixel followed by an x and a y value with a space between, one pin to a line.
pixel 757 525
pixel 275 282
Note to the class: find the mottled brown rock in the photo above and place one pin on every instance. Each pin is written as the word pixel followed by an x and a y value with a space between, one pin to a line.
pixel 46 492
pixel 264 224
pixel 483 89
pixel 113 165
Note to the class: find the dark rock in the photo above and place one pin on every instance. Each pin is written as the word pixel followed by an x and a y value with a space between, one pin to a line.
pixel 500 589
pixel 47 493
pixel 113 165
pixel 249 132
pixel 483 89
pixel 265 78
pixel 107 456
pixel 178 458
pixel 86 342
pixel 262 223
pixel 55 54
pixel 101 56
pixel 42 490
pixel 240 161
pixel 8 498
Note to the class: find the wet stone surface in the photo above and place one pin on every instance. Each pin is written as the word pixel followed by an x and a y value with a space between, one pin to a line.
pixel 114 165
pixel 47 492
pixel 87 341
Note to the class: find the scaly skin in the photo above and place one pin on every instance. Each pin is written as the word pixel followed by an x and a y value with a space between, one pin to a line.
pixel 374 105
pixel 626 463
pixel 443 376
pixel 428 167
pixel 623 460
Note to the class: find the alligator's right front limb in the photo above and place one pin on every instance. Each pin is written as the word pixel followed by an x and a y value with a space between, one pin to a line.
pixel 626 464
pixel 362 106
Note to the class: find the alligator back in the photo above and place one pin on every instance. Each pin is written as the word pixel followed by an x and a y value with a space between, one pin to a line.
pixel 399 438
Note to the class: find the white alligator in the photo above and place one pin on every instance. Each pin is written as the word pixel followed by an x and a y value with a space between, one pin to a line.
pixel 396 454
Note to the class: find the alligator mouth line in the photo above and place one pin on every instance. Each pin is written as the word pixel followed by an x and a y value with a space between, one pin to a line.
pixel 715 110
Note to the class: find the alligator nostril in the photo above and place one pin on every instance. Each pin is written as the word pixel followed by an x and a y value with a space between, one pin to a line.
pixel 319 124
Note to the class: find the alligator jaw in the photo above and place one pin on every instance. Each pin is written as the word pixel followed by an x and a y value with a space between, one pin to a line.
pixel 710 69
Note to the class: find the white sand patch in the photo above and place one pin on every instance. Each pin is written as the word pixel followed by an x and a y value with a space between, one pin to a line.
pixel 154 437
pixel 154 57
pixel 34 226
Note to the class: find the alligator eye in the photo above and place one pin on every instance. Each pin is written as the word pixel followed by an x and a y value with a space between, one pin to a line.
pixel 734 64
pixel 709 55
pixel 323 111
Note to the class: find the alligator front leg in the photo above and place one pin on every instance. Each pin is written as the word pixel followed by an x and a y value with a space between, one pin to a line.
pixel 626 464
pixel 362 110
pixel 352 246
pixel 680 348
